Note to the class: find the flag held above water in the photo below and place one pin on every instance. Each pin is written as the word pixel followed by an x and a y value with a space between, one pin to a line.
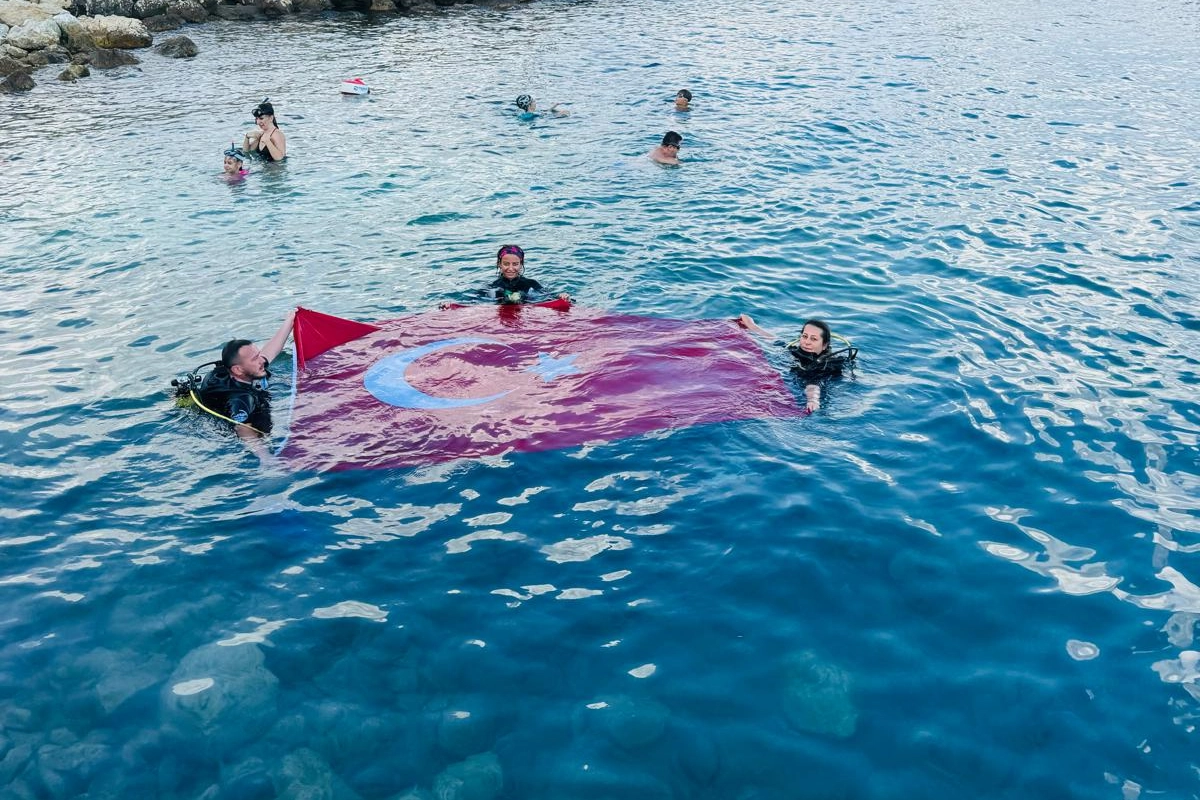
pixel 474 381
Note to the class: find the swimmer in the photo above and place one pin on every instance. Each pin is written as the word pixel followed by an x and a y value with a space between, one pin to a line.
pixel 234 158
pixel 682 98
pixel 668 151
pixel 512 286
pixel 815 362
pixel 529 108
pixel 266 140
pixel 236 389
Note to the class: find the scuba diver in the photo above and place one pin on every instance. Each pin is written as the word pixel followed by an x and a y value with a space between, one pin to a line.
pixel 815 362
pixel 512 286
pixel 236 389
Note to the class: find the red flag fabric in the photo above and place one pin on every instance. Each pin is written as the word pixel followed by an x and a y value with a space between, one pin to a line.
pixel 314 333
pixel 481 380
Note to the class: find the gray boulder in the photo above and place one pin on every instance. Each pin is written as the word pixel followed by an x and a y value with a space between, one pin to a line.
pixel 17 82
pixel 177 47
pixel 75 35
pixel 34 34
pixel 220 698
pixel 4 29
pixel 9 65
pixel 273 9
pixel 121 33
pixel 14 13
pixel 149 8
pixel 238 13
pixel 103 58
pixel 189 10
pixel 163 22
pixel 108 8
pixel 314 6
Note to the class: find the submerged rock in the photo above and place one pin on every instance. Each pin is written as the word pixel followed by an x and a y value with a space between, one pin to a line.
pixel 816 696
pixel 110 59
pixel 477 778
pixel 221 697
pixel 17 82
pixel 177 47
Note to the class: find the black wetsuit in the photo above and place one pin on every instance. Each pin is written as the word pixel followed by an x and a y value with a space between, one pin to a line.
pixel 519 290
pixel 241 402
pixel 821 366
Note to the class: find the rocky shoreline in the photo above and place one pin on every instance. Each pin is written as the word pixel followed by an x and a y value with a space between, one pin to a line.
pixel 82 35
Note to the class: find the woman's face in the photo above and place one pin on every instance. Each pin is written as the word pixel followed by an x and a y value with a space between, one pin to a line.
pixel 266 121
pixel 812 340
pixel 510 265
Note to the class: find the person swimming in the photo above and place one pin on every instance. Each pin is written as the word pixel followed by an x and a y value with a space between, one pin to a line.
pixel 682 100
pixel 267 140
pixel 234 159
pixel 512 286
pixel 529 108
pixel 815 362
pixel 667 152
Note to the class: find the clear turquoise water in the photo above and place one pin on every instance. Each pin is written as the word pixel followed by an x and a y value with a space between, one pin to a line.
pixel 969 575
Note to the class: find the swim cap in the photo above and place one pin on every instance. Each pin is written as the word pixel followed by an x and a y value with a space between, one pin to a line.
pixel 510 250
pixel 524 101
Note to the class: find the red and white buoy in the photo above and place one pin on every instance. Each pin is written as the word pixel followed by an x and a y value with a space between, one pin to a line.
pixel 354 86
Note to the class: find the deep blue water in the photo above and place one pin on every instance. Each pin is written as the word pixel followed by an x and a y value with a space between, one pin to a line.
pixel 968 576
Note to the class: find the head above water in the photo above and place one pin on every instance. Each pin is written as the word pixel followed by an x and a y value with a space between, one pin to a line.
pixel 235 153
pixel 814 336
pixel 671 139
pixel 510 250
pixel 264 109
pixel 524 102
pixel 243 360
pixel 685 94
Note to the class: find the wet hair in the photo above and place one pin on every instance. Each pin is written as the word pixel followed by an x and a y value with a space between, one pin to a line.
pixel 822 327
pixel 510 250
pixel 685 94
pixel 229 353
pixel 671 138
pixel 264 109
pixel 524 101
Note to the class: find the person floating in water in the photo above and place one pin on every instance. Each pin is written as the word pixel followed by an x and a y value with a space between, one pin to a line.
pixel 513 286
pixel 266 140
pixel 529 108
pixel 668 151
pixel 236 389
pixel 234 159
pixel 682 100
pixel 815 362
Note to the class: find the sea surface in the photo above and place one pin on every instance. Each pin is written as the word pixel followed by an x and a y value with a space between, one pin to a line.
pixel 974 573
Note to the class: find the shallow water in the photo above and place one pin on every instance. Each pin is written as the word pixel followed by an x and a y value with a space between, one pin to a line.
pixel 969 575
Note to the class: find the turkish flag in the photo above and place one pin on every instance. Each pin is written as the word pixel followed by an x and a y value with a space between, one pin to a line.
pixel 481 380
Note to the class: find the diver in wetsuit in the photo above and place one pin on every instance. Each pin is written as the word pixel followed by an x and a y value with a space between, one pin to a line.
pixel 236 389
pixel 815 361
pixel 512 285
